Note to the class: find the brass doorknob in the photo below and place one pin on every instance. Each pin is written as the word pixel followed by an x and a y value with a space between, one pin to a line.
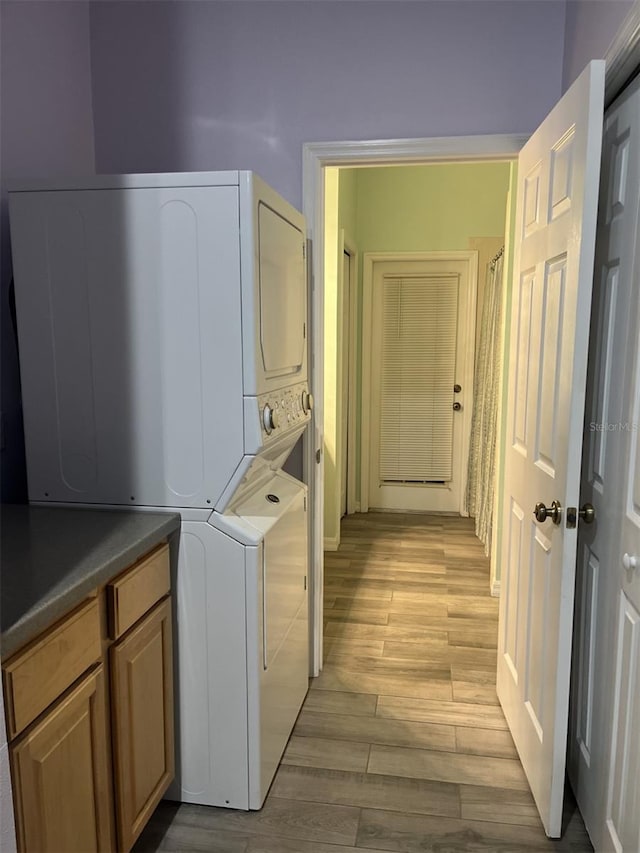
pixel 587 513
pixel 542 513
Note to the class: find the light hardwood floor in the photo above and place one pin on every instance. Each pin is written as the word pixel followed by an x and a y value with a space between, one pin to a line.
pixel 401 744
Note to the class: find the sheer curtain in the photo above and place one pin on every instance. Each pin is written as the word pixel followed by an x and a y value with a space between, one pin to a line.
pixel 486 390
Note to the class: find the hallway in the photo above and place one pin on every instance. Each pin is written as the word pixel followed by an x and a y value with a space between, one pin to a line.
pixel 401 744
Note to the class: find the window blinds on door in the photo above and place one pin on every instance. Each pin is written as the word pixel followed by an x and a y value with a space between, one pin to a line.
pixel 419 332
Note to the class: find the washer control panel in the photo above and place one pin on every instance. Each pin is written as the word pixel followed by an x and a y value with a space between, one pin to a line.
pixel 280 410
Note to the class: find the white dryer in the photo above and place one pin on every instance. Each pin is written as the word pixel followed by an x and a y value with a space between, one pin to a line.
pixel 162 328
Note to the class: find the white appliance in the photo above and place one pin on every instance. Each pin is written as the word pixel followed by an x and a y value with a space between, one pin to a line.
pixel 162 334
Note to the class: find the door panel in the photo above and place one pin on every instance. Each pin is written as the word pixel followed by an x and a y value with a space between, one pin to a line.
pixel 553 296
pixel 555 222
pixel 142 709
pixel 622 823
pixel 524 361
pixel 61 778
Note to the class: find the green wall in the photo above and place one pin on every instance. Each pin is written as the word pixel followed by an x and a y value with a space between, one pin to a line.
pixel 429 208
pixel 348 201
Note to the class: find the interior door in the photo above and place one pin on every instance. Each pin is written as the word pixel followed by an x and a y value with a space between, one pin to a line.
pixel 622 728
pixel 558 174
pixel 609 481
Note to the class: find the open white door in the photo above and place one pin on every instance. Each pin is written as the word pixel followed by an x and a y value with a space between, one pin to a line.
pixel 558 178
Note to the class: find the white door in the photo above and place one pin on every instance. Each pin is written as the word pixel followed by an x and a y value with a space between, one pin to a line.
pixel 422 348
pixel 558 172
pixel 622 814
pixel 604 606
pixel 622 724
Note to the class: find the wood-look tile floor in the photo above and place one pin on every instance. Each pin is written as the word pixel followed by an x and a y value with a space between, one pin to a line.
pixel 401 744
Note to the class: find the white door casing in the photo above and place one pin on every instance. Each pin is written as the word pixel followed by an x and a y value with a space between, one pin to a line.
pixel 463 266
pixel 315 157
pixel 606 475
pixel 558 175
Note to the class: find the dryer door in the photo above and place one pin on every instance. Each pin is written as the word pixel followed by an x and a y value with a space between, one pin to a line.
pixel 282 284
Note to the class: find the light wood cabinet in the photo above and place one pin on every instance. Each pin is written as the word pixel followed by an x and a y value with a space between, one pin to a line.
pixel 142 721
pixel 89 717
pixel 61 778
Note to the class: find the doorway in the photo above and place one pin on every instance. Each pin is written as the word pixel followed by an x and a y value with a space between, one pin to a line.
pixel 417 379
pixel 318 158
pixel 451 213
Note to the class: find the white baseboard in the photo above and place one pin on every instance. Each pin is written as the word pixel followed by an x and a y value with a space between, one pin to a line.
pixel 331 543
pixel 495 588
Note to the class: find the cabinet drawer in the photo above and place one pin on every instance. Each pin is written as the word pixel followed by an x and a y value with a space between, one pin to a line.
pixel 36 677
pixel 137 590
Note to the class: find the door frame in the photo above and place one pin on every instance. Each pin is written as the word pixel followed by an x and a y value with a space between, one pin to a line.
pixel 370 259
pixel 348 247
pixel 316 156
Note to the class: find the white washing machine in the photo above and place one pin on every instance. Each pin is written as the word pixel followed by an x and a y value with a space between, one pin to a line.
pixel 242 635
pixel 163 350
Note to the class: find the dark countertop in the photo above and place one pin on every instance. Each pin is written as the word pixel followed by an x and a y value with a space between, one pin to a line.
pixel 52 558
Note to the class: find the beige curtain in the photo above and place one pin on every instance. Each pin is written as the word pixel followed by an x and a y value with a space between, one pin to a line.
pixel 486 389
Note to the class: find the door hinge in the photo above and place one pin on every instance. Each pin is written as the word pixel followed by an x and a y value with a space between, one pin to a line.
pixel 318 454
pixel 304 250
pixel 305 503
pixel 305 581
pixel 304 330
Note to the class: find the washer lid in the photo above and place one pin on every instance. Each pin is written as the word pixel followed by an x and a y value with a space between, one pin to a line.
pixel 250 519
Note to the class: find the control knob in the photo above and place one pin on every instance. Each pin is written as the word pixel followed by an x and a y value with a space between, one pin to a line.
pixel 307 402
pixel 270 419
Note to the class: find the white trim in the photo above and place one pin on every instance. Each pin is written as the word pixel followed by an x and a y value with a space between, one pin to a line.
pixel 495 556
pixel 313 208
pixel 443 148
pixel 348 246
pixel 315 157
pixel 495 588
pixel 623 55
pixel 370 260
pixel 331 543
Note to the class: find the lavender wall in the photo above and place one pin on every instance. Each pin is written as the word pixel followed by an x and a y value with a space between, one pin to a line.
pixel 590 28
pixel 46 128
pixel 206 85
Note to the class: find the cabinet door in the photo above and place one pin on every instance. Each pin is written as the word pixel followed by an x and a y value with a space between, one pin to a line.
pixel 142 720
pixel 61 778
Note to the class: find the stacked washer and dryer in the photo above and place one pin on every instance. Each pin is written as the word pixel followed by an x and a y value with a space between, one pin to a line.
pixel 162 335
